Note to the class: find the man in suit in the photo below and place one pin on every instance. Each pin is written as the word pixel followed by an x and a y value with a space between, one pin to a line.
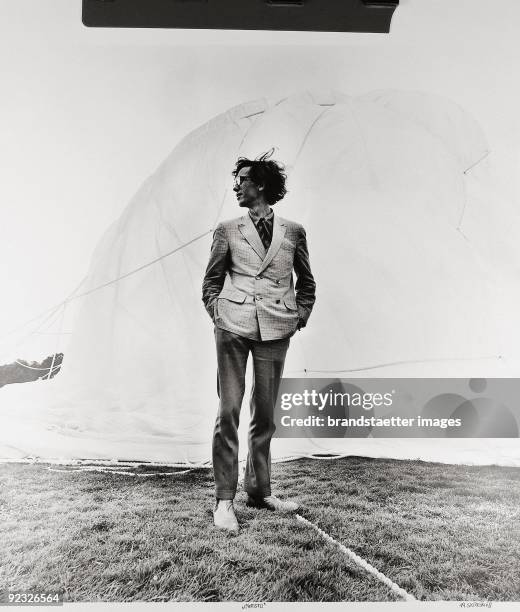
pixel 248 291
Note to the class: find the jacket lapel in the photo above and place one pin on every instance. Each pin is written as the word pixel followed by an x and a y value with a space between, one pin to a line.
pixel 250 233
pixel 278 234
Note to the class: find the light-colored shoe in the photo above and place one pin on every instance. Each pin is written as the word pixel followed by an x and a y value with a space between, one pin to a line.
pixel 272 503
pixel 224 515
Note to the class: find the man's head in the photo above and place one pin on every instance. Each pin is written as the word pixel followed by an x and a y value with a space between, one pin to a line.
pixel 259 181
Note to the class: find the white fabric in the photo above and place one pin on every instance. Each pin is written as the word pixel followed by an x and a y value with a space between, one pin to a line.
pixel 406 250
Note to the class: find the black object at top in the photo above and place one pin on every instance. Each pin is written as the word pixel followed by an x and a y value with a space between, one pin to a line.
pixel 295 15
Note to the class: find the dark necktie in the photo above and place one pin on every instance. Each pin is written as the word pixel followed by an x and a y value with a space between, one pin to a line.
pixel 264 232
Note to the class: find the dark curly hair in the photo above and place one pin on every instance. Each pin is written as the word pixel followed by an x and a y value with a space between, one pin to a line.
pixel 266 172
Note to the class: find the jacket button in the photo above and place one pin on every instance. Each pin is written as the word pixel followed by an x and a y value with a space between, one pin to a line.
pixel 258 277
pixel 277 301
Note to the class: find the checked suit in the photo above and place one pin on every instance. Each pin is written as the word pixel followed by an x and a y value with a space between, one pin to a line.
pixel 250 294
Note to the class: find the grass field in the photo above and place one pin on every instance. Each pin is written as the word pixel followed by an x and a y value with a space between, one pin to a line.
pixel 441 532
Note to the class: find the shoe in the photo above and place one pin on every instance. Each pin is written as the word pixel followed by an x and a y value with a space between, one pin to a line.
pixel 272 503
pixel 224 515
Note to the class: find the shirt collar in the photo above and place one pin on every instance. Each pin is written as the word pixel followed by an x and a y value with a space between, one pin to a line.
pixel 255 218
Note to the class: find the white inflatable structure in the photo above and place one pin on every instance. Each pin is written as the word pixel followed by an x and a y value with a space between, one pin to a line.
pixel 406 238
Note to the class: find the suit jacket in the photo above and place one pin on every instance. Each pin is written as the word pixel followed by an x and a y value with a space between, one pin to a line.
pixel 244 283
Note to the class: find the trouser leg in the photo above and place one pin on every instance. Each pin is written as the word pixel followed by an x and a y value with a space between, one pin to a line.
pixel 268 363
pixel 232 352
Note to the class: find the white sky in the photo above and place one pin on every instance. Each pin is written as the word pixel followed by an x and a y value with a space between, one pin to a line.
pixel 88 114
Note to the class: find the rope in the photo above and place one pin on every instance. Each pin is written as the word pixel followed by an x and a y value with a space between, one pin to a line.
pixel 326 457
pixel 186 464
pixel 107 470
pixel 62 318
pixel 114 466
pixel 50 315
pixel 72 296
pixel 242 466
pixel 39 369
pixel 135 270
pixel 109 462
pixel 488 151
pixel 463 212
pixel 49 311
pixel 393 363
pixel 360 561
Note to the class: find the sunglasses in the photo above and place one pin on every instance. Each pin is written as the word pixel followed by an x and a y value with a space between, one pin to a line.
pixel 239 179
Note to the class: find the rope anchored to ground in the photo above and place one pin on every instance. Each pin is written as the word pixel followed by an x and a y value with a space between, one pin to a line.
pixel 359 561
